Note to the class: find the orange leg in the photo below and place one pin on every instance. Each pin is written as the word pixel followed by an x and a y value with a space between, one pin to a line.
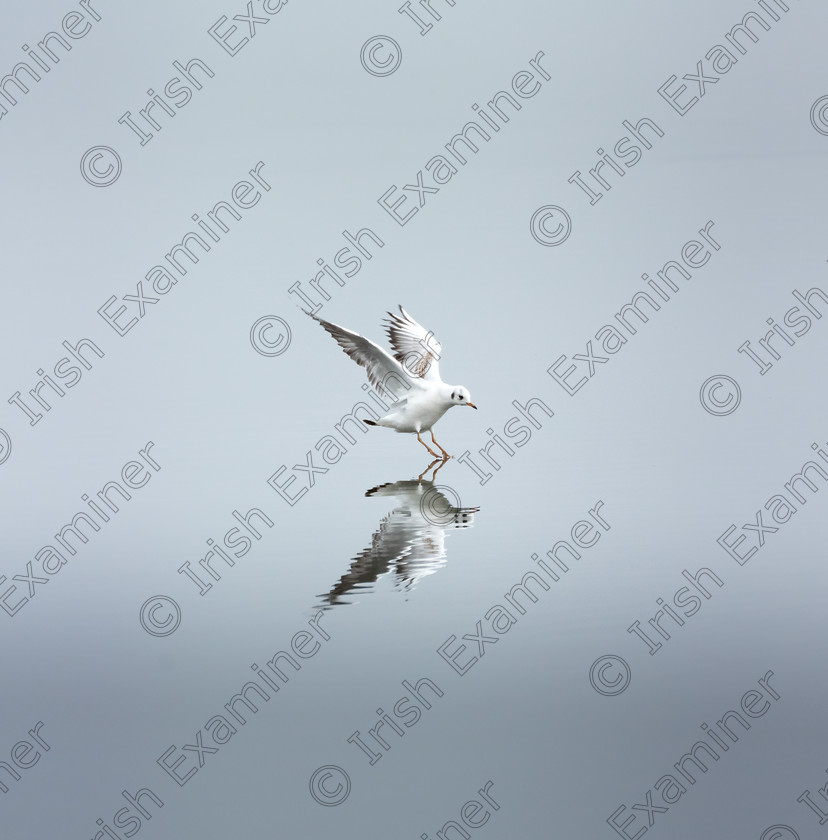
pixel 439 461
pixel 445 454
pixel 431 451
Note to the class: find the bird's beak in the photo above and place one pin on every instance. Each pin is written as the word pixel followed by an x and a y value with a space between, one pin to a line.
pixel 472 405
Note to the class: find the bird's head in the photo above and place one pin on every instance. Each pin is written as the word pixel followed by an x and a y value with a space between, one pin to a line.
pixel 460 396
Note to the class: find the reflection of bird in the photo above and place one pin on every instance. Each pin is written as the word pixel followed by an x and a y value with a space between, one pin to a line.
pixel 411 376
pixel 410 540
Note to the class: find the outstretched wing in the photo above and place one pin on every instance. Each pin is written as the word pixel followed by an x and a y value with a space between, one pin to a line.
pixel 385 373
pixel 415 348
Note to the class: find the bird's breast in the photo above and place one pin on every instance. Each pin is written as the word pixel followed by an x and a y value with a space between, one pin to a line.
pixel 427 412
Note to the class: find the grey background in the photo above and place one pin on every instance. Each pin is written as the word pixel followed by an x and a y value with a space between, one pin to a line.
pixel 224 418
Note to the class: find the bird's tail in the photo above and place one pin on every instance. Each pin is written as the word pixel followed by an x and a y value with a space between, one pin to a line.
pixel 370 422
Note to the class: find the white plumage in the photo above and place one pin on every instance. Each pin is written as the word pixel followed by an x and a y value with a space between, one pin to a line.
pixel 410 541
pixel 409 380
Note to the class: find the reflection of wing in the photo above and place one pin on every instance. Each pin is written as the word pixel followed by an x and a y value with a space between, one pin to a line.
pixel 417 350
pixel 407 542
pixel 385 373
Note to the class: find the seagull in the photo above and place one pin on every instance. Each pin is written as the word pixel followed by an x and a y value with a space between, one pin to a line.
pixel 410 379
pixel 410 540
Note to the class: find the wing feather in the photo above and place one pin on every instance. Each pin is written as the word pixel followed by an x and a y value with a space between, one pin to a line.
pixel 415 348
pixel 385 373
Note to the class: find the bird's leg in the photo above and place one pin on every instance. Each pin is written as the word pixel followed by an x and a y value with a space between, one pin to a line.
pixel 445 454
pixel 443 462
pixel 431 451
pixel 435 461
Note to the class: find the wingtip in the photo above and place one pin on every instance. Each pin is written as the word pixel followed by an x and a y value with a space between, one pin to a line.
pixel 397 319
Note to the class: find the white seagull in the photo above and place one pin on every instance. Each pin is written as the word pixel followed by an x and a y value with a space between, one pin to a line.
pixel 410 540
pixel 410 378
